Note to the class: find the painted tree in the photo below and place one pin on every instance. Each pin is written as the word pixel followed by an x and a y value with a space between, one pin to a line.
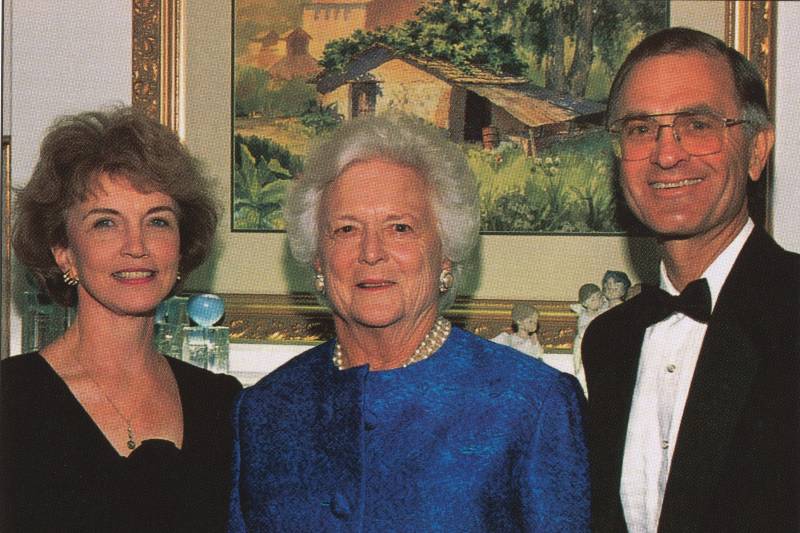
pixel 250 90
pixel 604 27
pixel 462 32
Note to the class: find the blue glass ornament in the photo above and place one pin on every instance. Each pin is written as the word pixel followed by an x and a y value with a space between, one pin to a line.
pixel 205 309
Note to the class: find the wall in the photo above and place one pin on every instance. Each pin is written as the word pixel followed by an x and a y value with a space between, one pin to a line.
pixel 5 79
pixel 786 193
pixel 407 88
pixel 706 16
pixel 66 56
pixel 325 23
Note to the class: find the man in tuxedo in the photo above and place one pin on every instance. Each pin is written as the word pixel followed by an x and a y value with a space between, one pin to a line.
pixel 693 387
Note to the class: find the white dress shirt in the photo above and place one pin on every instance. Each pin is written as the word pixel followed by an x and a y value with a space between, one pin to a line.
pixel 666 366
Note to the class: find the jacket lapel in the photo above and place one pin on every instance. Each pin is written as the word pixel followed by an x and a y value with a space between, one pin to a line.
pixel 729 360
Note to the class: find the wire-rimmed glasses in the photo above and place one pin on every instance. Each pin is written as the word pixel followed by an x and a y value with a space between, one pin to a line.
pixel 698 133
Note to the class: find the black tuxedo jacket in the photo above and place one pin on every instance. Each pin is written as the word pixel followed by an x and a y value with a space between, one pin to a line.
pixel 736 464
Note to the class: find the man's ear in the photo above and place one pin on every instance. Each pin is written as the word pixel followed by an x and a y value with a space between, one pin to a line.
pixel 760 148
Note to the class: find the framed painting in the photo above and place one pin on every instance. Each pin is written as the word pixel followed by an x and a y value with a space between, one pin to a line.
pixel 520 87
pixel 183 72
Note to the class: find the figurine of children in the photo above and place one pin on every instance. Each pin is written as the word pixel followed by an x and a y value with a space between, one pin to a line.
pixel 615 286
pixel 591 305
pixel 524 323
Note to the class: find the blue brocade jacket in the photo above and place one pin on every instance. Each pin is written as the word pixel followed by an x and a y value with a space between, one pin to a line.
pixel 478 437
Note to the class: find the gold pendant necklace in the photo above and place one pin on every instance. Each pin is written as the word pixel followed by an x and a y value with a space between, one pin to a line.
pixel 432 342
pixel 131 435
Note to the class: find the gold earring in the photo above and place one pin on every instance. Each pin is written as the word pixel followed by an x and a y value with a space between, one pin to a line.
pixel 319 282
pixel 445 281
pixel 69 280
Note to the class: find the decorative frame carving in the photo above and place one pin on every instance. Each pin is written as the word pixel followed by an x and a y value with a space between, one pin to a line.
pixel 155 59
pixel 301 319
pixel 750 28
pixel 156 76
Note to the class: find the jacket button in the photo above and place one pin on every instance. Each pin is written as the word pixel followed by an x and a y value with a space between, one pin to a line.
pixel 370 422
pixel 340 506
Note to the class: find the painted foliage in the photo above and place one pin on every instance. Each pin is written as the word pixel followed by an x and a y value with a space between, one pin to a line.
pixel 520 84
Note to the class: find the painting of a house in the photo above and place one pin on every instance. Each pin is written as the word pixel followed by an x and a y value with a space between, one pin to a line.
pixel 473 107
pixel 527 111
pixel 296 62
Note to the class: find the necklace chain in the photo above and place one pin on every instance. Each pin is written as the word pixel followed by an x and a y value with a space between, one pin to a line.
pixel 432 342
pixel 131 435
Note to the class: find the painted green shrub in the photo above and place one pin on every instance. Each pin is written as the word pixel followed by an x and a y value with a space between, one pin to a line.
pixel 263 171
pixel 567 189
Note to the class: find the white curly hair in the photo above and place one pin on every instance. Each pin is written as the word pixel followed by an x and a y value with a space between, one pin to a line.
pixel 406 141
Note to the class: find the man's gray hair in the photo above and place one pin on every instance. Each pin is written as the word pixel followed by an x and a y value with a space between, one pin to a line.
pixel 409 142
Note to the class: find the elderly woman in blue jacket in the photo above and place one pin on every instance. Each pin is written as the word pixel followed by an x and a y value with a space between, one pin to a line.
pixel 402 422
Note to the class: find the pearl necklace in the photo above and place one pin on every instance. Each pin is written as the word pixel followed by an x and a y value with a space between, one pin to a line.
pixel 432 342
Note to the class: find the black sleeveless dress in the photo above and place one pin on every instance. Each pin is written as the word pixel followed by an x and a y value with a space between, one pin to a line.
pixel 58 472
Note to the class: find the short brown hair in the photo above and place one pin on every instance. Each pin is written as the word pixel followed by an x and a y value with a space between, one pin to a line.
pixel 119 142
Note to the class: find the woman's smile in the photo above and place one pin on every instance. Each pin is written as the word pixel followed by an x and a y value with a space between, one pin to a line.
pixel 134 277
pixel 375 284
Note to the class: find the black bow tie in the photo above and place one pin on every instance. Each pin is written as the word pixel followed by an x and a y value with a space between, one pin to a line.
pixel 694 302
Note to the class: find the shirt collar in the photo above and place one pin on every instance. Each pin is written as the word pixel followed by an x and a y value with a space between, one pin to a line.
pixel 717 272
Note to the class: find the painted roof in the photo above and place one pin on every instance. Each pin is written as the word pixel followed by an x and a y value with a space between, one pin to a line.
pixel 534 106
pixel 296 66
pixel 296 31
pixel 265 37
pixel 379 54
pixel 455 74
pixel 531 105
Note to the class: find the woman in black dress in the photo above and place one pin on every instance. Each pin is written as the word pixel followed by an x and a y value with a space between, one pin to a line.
pixel 99 431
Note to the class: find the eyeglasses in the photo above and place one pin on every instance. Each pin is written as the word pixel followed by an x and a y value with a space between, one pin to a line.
pixel 635 138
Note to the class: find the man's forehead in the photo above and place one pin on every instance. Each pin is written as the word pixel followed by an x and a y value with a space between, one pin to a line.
pixel 679 82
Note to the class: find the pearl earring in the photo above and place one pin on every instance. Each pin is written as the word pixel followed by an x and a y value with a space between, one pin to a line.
pixel 445 281
pixel 69 280
pixel 319 282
